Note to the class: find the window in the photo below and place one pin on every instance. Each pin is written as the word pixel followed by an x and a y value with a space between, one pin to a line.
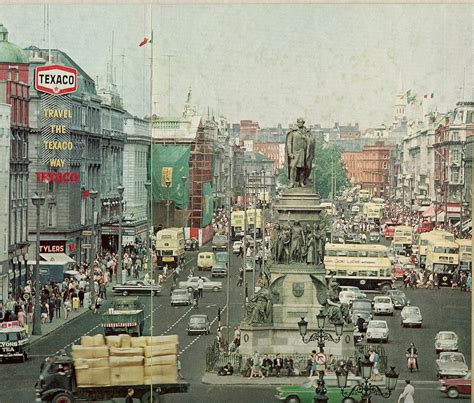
pixel 455 136
pixel 455 156
pixel 455 175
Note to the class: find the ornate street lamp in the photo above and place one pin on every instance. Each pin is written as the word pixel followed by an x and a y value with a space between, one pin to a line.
pixel 37 200
pixel 366 389
pixel 320 336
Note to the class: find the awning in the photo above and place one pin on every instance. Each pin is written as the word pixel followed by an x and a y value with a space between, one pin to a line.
pixel 467 226
pixel 440 217
pixel 57 257
pixel 429 212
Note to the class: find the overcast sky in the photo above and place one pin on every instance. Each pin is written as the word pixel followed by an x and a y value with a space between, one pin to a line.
pixel 270 63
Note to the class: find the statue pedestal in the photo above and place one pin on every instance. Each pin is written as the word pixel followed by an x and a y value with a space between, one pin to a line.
pixel 302 204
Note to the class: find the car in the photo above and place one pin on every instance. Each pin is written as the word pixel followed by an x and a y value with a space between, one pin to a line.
pixel 206 260
pixel 411 316
pixel 374 237
pixel 191 244
pixel 348 296
pixel 383 305
pixel 377 330
pixel 362 307
pixel 305 392
pixel 353 237
pixel 236 246
pixel 398 297
pixel 354 289
pixel 456 386
pixel 199 324
pixel 219 242
pixel 446 341
pixel 451 364
pixel 181 296
pixel 219 270
pixel 136 287
pixel 191 284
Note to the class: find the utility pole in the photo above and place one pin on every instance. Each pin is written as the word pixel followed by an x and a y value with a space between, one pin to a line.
pixel 229 209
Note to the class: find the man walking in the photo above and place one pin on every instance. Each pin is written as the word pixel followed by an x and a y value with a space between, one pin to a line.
pixel 241 277
pixel 200 286
pixel 408 393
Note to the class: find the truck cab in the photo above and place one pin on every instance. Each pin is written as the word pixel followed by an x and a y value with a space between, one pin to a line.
pixel 14 341
pixel 55 380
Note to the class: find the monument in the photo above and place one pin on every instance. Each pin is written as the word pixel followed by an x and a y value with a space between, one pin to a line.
pixel 295 282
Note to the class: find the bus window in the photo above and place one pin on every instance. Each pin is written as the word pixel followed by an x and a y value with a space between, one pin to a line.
pixel 331 252
pixel 341 273
pixel 352 253
pixel 341 253
pixel 372 254
pixel 363 253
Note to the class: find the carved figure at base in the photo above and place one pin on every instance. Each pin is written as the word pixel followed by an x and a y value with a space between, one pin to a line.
pixel 259 309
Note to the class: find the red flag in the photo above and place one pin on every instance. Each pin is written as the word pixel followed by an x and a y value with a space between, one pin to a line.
pixel 85 193
pixel 144 42
pixel 425 96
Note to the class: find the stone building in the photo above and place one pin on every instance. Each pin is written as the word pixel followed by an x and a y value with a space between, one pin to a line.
pixel 271 150
pixel 14 91
pixel 248 129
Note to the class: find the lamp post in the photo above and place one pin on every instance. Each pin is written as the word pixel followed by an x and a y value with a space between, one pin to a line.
pixel 168 185
pixel 185 219
pixel 148 227
pixel 93 195
pixel 320 336
pixel 438 192
pixel 366 389
pixel 37 200
pixel 120 190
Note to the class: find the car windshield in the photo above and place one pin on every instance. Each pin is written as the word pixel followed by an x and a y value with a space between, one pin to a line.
pixel 12 336
pixel 447 336
pixel 179 292
pixel 197 319
pixel 383 301
pixel 412 310
pixel 397 293
pixel 361 305
pixel 454 358
pixel 378 325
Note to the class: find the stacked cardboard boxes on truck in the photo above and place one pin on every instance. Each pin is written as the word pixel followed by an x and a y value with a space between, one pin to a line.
pixel 125 360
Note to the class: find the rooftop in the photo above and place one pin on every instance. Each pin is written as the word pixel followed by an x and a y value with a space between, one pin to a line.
pixel 9 52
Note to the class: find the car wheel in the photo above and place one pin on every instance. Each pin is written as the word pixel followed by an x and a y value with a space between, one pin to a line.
pixel 62 398
pixel 215 289
pixel 292 399
pixel 124 293
pixel 453 393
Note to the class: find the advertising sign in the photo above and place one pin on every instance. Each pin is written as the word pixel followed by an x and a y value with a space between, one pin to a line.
pixel 56 79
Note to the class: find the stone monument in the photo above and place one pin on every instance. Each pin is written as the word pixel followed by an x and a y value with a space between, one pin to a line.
pixel 295 283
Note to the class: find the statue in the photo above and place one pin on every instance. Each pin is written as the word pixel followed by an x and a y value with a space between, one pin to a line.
pixel 320 243
pixel 297 242
pixel 284 240
pixel 260 308
pixel 310 248
pixel 339 314
pixel 274 241
pixel 299 150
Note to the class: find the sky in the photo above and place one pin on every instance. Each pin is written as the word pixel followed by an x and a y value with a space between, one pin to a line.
pixel 269 63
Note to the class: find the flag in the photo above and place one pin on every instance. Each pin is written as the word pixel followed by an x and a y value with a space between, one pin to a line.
pixel 426 96
pixel 410 98
pixel 146 40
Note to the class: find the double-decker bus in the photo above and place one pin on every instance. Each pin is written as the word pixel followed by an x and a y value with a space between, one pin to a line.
pixel 366 266
pixel 389 229
pixel 237 225
pixel 169 246
pixel 372 212
pixel 465 254
pixel 364 195
pixel 402 238
pixel 442 258
pixel 423 240
pixel 252 217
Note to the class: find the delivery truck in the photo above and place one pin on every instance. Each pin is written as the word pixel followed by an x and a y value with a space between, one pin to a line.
pixel 125 315
pixel 100 370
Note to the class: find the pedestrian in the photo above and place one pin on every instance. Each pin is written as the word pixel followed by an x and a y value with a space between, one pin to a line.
pixel 178 366
pixel 97 304
pixel 58 307
pixel 241 277
pixel 44 312
pixel 129 398
pixel 469 282
pixel 81 296
pixel 200 286
pixel 52 308
pixel 103 291
pixel 67 306
pixel 165 270
pixel 21 317
pixel 408 393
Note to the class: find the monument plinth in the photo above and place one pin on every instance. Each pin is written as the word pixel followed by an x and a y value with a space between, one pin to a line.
pixel 297 204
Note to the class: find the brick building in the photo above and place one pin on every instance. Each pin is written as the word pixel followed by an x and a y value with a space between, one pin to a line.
pixel 370 167
pixel 248 129
pixel 270 150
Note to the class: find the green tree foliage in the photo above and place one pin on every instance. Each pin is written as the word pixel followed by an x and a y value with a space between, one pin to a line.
pixel 325 156
pixel 282 176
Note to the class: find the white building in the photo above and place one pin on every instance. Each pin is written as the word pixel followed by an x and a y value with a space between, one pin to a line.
pixel 136 156
pixel 4 200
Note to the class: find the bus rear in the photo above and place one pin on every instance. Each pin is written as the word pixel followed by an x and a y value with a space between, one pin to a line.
pixel 442 258
pixel 364 195
pixel 403 235
pixel 465 254
pixel 169 246
pixel 237 223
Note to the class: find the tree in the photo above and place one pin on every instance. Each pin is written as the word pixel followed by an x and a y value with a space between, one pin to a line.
pixel 327 159
pixel 282 176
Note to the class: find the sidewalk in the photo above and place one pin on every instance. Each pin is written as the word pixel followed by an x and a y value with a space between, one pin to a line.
pixel 58 323
pixel 211 378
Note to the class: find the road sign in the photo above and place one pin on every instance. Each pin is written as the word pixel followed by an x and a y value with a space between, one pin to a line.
pixel 87 246
pixel 26 296
pixel 87 233
pixel 320 358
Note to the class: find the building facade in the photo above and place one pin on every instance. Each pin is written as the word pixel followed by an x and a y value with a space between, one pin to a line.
pixel 14 90
pixel 271 150
pixel 248 130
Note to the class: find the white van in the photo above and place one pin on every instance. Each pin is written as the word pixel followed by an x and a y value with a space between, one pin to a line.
pixel 14 341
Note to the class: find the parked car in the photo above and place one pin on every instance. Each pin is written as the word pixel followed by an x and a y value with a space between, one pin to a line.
pixel 456 386
pixel 191 244
pixel 451 364
pixel 446 341
pixel 136 287
pixel 181 296
pixel 191 284
pixel 383 305
pixel 219 270
pixel 199 324
pixel 398 297
pixel 411 316
pixel 236 246
pixel 377 330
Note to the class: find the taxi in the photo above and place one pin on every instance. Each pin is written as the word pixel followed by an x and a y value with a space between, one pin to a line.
pixel 14 341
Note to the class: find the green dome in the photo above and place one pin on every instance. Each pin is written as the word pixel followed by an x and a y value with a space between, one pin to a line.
pixel 10 53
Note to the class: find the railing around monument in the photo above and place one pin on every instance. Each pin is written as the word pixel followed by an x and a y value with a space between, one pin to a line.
pixel 218 357
pixel 362 351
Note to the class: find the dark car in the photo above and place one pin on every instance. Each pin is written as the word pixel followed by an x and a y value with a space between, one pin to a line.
pixel 136 287
pixel 399 298
pixel 219 270
pixel 191 244
pixel 199 324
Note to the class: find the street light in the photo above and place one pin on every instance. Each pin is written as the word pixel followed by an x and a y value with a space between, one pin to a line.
pixel 37 200
pixel 366 389
pixel 320 336
pixel 120 190
pixel 93 195
pixel 147 185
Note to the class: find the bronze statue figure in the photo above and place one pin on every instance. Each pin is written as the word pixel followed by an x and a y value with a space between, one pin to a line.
pixel 299 154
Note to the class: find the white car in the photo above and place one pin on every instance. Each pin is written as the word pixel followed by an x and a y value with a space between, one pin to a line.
pixel 451 364
pixel 348 296
pixel 236 246
pixel 383 305
pixel 208 285
pixel 411 316
pixel 446 341
pixel 355 290
pixel 377 330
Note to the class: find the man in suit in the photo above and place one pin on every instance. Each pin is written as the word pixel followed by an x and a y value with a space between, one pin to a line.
pixel 277 364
